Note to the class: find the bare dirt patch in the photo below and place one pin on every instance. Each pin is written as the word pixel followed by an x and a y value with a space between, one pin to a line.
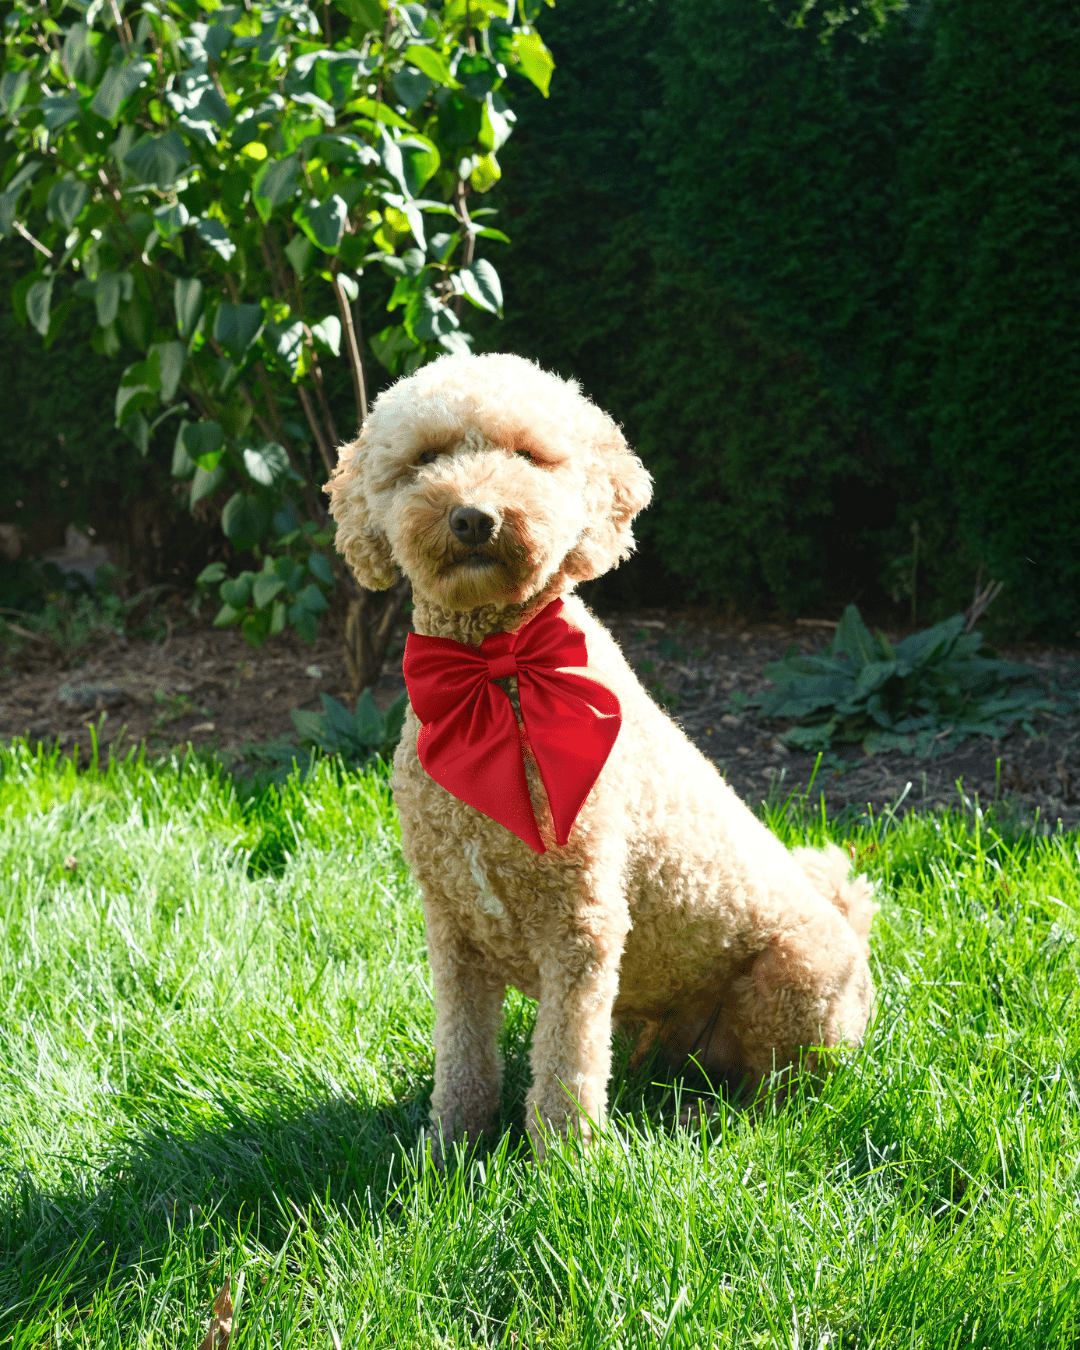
pixel 207 688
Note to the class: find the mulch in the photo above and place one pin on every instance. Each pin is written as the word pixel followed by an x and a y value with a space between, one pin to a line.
pixel 207 688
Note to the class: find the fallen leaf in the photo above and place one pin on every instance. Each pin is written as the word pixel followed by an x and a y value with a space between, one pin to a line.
pixel 70 863
pixel 220 1328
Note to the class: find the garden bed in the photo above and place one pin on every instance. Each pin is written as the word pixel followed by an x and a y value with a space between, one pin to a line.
pixel 209 687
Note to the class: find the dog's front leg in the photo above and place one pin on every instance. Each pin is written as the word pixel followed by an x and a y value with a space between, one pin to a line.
pixel 571 1050
pixel 468 1012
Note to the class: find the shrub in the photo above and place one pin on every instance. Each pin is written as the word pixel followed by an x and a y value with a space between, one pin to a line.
pixel 215 191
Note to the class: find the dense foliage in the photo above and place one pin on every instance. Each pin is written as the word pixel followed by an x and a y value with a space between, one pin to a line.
pixel 826 285
pixel 818 264
pixel 214 180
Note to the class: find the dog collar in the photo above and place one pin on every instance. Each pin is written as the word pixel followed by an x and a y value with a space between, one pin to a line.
pixel 470 741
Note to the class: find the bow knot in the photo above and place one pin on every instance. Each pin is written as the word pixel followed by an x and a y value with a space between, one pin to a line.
pixel 501 665
pixel 470 742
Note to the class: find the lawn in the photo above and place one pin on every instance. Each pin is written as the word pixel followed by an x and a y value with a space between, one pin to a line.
pixel 215 1055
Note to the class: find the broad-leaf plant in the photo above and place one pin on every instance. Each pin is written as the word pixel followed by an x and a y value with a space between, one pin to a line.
pixel 924 695
pixel 217 180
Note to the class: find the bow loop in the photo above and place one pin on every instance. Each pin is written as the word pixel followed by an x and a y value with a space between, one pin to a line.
pixel 470 741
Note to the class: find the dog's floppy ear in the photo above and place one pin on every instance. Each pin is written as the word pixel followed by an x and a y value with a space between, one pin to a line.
pixel 619 486
pixel 363 546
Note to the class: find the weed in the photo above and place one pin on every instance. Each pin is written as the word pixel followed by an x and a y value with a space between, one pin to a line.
pixel 69 614
pixel 358 736
pixel 925 695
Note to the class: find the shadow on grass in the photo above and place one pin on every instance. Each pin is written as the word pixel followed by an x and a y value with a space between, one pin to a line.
pixel 257 1175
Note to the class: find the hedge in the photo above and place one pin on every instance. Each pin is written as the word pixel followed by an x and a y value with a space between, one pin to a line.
pixel 724 213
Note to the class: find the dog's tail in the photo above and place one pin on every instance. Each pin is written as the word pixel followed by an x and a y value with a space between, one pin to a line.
pixel 827 871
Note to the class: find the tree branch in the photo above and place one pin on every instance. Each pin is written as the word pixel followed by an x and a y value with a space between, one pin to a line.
pixel 355 364
pixel 21 229
pixel 316 430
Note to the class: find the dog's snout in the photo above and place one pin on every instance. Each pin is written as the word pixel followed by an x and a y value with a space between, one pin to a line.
pixel 472 524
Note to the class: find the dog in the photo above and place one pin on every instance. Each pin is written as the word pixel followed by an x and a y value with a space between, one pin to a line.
pixel 669 908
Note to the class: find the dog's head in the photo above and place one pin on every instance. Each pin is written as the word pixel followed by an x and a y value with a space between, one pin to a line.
pixel 481 477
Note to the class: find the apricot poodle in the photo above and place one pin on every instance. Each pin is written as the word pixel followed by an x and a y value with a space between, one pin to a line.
pixel 670 909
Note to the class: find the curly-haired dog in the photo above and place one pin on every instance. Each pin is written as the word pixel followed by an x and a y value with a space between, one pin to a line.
pixel 496 488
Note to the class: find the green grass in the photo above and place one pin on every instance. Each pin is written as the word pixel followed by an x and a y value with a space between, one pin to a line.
pixel 215 1054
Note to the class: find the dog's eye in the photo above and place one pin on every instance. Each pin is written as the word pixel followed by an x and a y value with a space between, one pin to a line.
pixel 428 457
pixel 525 454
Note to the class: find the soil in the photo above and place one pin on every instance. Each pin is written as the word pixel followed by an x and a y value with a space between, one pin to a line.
pixel 207 688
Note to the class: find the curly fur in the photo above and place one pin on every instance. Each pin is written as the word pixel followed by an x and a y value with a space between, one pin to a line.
pixel 672 909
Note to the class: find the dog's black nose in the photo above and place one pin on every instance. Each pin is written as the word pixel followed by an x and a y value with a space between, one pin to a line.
pixel 471 525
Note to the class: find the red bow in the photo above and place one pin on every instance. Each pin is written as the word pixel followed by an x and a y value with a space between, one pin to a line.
pixel 470 742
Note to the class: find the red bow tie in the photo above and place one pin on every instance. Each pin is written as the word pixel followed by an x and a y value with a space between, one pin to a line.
pixel 470 742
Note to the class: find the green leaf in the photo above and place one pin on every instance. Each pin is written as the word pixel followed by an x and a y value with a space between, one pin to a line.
pixel 188 302
pixel 420 161
pixel 119 83
pixel 391 346
pixel 275 184
pixel 378 112
pixel 158 159
pixel 394 721
pixel 138 389
pixel 255 627
pixel 38 305
pixel 460 119
pixel 486 173
pixel 237 326
pixel 304 622
pixel 339 717
pixel 328 332
pixel 287 344
pixel 205 482
pixel 66 200
pixel 171 358
pixel 432 63
pixel 211 574
pixel 237 590
pixel 367 13
pixel 367 720
pixel 216 237
pixel 137 429
pixel 326 224
pixel 853 639
pixel 309 724
pixel 312 599
pixel 108 289
pixel 872 676
pixel 226 615
pixel 268 465
pixel 320 568
pixel 432 317
pixel 245 520
pixel 204 443
pixel 13 87
pixel 183 466
pixel 536 62
pixel 299 251
pixel 412 87
pixel 268 585
pixel 170 219
pixel 480 284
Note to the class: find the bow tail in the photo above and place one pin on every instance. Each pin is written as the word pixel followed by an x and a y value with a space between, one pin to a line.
pixel 477 757
pixel 572 722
